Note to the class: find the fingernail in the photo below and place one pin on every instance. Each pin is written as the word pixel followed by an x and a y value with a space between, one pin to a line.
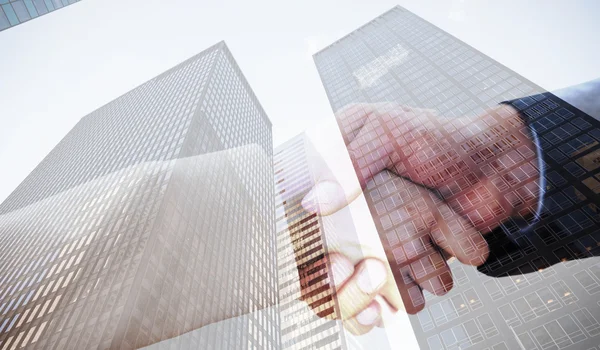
pixel 369 316
pixel 341 269
pixel 372 276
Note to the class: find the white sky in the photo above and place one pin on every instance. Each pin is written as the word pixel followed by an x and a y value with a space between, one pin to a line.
pixel 59 67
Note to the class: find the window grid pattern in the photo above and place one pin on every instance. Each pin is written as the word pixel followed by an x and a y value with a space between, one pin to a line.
pixel 303 271
pixel 99 247
pixel 398 57
pixel 14 12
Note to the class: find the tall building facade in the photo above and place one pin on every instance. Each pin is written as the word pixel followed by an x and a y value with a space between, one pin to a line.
pixel 14 12
pixel 153 217
pixel 519 299
pixel 304 272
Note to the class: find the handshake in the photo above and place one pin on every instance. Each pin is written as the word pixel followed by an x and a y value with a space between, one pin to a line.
pixel 435 187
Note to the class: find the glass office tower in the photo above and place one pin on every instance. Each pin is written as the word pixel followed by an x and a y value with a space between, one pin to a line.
pixel 304 272
pixel 14 12
pixel 523 298
pixel 153 217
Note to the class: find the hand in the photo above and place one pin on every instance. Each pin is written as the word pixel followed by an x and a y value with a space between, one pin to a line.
pixel 387 141
pixel 427 233
pixel 484 166
pixel 363 287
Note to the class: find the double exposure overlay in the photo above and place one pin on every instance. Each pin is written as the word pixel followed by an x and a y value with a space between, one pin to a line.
pixel 434 129
pixel 304 272
pixel 453 204
pixel 104 245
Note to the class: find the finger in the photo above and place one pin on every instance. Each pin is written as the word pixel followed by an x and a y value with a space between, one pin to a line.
pixel 386 139
pixel 410 293
pixel 361 131
pixel 420 215
pixel 377 137
pixel 360 289
pixel 326 198
pixel 407 239
pixel 432 274
pixel 416 265
pixel 425 265
pixel 327 195
pixel 352 117
pixel 391 295
pixel 365 320
pixel 457 237
pixel 386 309
pixel 374 135
pixel 341 269
pixel 342 265
pixel 310 275
pixel 369 153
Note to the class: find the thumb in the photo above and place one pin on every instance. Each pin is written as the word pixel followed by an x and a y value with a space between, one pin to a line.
pixel 335 182
pixel 326 198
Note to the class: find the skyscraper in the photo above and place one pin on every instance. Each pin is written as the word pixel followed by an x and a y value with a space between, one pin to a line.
pixel 153 217
pixel 519 298
pixel 304 272
pixel 14 12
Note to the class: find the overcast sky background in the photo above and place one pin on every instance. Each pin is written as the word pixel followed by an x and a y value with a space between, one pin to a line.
pixel 61 66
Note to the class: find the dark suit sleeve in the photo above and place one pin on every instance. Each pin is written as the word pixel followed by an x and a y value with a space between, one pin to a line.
pixel 566 225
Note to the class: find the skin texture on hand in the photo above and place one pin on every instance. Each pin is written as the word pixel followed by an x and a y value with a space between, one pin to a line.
pixel 357 287
pixel 484 166
pixel 433 186
pixel 428 232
